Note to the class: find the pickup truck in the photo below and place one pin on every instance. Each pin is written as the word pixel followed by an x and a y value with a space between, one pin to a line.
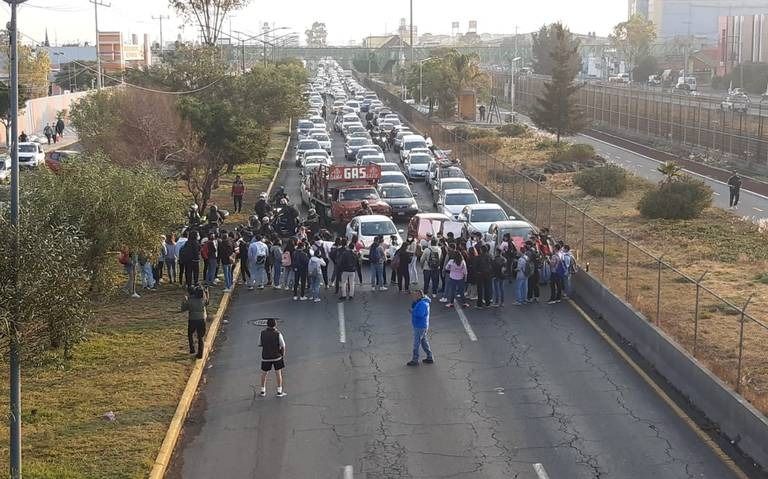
pixel 739 103
pixel 337 191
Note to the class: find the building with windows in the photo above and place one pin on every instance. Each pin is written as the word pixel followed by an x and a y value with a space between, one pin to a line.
pixel 742 39
pixel 117 55
pixel 698 18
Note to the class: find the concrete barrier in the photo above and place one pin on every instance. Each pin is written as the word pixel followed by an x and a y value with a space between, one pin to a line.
pixel 735 417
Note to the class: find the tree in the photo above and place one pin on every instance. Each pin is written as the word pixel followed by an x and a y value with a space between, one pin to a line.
pixel 317 35
pixel 556 111
pixel 114 208
pixel 436 78
pixel 646 66
pixel 542 50
pixel 634 39
pixel 671 171
pixel 208 15
pixel 5 107
pixel 34 67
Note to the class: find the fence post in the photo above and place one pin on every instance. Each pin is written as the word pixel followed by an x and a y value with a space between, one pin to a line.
pixel 602 272
pixel 565 223
pixel 741 343
pixel 536 205
pixel 626 274
pixel 583 231
pixel 551 194
pixel 658 295
pixel 696 314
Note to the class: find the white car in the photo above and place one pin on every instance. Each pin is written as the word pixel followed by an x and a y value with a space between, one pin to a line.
pixel 452 202
pixel 393 177
pixel 31 155
pixel 368 227
pixel 410 142
pixel 479 217
pixel 354 104
pixel 324 139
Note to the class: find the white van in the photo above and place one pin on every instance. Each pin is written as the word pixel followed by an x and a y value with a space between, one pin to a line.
pixel 410 142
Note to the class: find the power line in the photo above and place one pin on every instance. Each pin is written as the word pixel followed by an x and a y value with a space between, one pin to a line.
pixel 161 18
pixel 96 5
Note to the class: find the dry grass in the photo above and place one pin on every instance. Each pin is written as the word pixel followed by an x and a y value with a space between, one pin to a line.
pixel 134 363
pixel 730 248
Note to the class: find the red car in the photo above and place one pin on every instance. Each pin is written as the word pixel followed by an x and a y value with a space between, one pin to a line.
pixel 54 159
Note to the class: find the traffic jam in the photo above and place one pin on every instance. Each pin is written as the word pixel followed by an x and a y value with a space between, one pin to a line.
pixel 366 174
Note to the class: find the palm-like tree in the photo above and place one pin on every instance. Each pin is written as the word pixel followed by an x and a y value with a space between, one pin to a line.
pixel 671 171
pixel 465 69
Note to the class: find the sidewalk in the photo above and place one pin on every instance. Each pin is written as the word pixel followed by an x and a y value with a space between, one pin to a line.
pixel 70 138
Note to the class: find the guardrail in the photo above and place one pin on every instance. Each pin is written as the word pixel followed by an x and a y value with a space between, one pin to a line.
pixel 719 333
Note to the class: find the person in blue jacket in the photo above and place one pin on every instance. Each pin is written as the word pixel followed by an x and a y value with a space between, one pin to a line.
pixel 420 323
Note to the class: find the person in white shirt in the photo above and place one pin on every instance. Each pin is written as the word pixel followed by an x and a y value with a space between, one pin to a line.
pixel 257 262
pixel 315 270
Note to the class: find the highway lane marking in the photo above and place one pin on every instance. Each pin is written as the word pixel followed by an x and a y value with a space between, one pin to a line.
pixel 757 209
pixel 661 163
pixel 349 473
pixel 342 324
pixel 726 460
pixel 540 471
pixel 716 193
pixel 465 323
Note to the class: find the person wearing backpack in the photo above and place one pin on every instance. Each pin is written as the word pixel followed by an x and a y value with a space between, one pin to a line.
pixel 376 256
pixel 498 272
pixel 286 261
pixel 226 252
pixel 570 270
pixel 482 268
pixel 539 269
pixel 431 264
pixel 316 265
pixel 189 256
pixel 348 262
pixel 324 247
pixel 525 269
pixel 558 268
pixel 276 256
pixel 300 264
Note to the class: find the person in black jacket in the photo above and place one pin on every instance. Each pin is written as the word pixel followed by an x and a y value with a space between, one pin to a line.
pixel 226 252
pixel 272 346
pixel 300 263
pixel 190 258
pixel 347 266
pixel 482 267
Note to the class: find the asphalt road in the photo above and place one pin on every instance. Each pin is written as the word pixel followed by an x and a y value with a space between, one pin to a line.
pixel 512 390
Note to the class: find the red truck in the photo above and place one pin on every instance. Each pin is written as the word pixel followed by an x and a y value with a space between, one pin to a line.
pixel 337 192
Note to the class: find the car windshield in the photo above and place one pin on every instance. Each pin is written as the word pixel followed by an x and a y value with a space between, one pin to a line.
pixel 396 191
pixel 376 228
pixel 358 141
pixel 420 159
pixel 488 216
pixel 461 199
pixel 409 145
pixel 456 185
pixel 398 178
pixel 453 173
pixel 308 145
pixel 523 232
pixel 305 125
pixel 27 149
pixel 359 194
pixel 321 137
pixel 388 167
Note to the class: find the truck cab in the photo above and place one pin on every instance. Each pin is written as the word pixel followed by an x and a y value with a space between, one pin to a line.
pixel 337 192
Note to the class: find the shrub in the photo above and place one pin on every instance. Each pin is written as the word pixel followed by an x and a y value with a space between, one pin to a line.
pixel 573 153
pixel 469 133
pixel 490 144
pixel 682 199
pixel 602 181
pixel 547 144
pixel 513 130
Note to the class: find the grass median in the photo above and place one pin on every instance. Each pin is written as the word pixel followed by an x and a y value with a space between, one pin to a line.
pixel 134 363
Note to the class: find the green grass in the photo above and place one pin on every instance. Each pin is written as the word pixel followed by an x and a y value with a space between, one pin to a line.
pixel 134 362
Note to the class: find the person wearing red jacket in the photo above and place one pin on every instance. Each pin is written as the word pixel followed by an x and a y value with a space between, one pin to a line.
pixel 238 190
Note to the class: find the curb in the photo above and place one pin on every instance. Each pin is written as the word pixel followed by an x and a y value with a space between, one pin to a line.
pixel 165 454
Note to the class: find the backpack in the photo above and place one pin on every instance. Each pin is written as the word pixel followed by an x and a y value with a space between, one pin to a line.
pixel 434 260
pixel 561 270
pixel 571 265
pixel 530 268
pixel 373 256
pixel 286 259
pixel 396 261
pixel 314 268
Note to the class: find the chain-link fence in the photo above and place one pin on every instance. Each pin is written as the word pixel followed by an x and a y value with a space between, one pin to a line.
pixel 716 331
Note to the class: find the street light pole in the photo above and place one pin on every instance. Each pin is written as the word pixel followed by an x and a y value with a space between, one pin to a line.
pixel 421 78
pixel 96 5
pixel 411 33
pixel 15 357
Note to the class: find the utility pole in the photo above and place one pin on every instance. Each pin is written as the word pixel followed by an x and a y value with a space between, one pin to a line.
pixel 15 357
pixel 413 57
pixel 166 17
pixel 96 5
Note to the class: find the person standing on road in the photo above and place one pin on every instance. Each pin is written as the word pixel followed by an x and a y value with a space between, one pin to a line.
pixel 403 267
pixel 734 187
pixel 257 262
pixel 420 323
pixel 300 262
pixel 570 270
pixel 457 275
pixel 287 276
pixel 348 266
pixel 324 111
pixel 171 255
pixel 238 190
pixel 541 273
pixel 498 267
pixel 557 267
pixel 226 252
pixel 377 256
pixel 525 268
pixel 195 302
pixel 315 269
pixel 483 268
pixel 276 257
pixel 272 346
pixel 431 264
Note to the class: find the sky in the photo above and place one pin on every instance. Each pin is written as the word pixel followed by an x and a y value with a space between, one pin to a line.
pixel 73 20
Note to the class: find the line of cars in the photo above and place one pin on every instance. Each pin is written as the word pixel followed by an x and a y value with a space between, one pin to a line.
pixel 338 191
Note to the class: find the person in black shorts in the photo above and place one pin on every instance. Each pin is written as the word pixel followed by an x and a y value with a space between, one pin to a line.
pixel 272 347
